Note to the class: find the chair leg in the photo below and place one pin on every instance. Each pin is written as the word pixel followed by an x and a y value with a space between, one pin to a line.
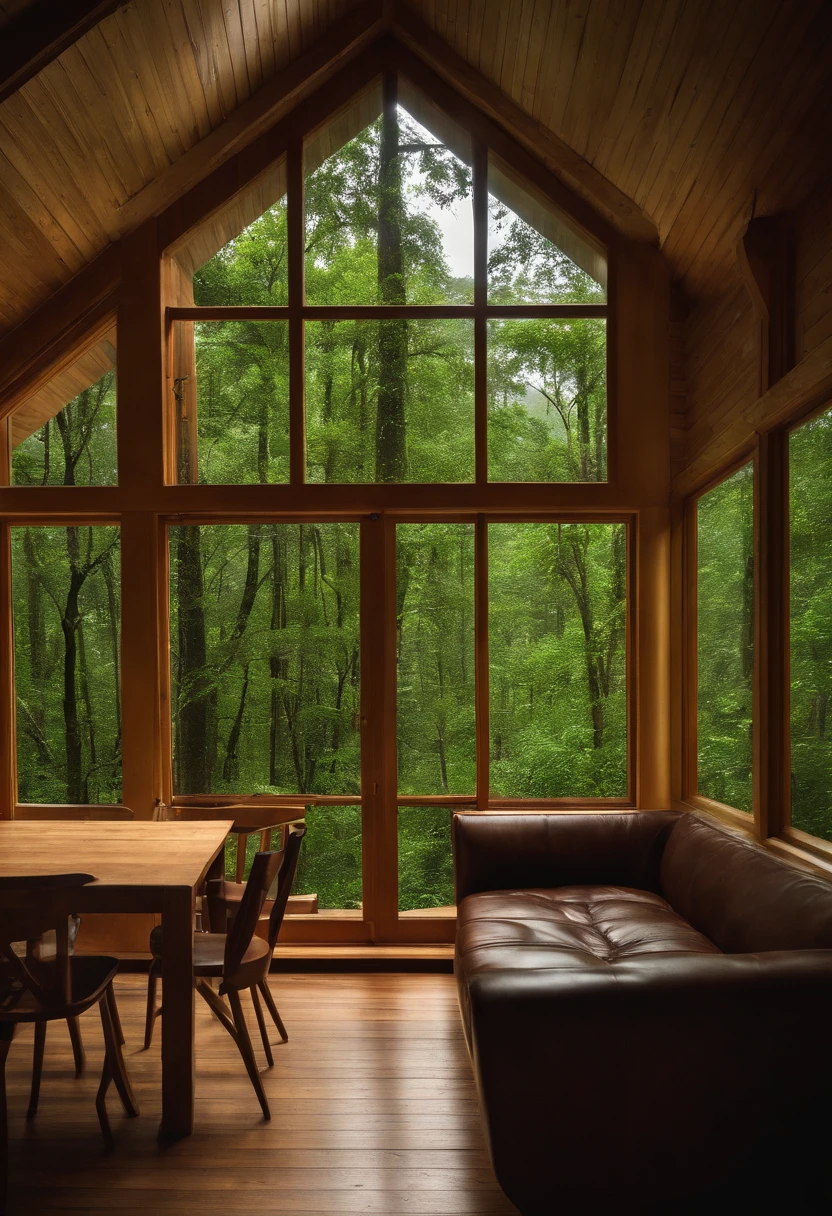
pixel 6 1033
pixel 78 1053
pixel 113 1007
pixel 258 1009
pixel 272 1008
pixel 244 1044
pixel 112 1048
pixel 152 1012
pixel 37 1068
pixel 101 1104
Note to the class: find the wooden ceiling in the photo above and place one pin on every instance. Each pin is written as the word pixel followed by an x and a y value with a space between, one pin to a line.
pixel 699 111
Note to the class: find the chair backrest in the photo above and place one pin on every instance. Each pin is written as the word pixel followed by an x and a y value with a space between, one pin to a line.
pixel 264 870
pixel 89 814
pixel 30 907
pixel 285 879
pixel 267 871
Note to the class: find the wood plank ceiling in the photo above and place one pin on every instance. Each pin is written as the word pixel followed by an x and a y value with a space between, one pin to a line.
pixel 700 111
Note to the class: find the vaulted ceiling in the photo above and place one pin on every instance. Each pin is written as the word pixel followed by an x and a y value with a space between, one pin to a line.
pixel 680 117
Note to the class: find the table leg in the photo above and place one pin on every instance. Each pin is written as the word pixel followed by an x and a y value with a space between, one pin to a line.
pixel 213 902
pixel 178 1013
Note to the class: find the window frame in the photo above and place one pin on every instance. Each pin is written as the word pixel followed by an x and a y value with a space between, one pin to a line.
pixel 690 632
pixel 146 285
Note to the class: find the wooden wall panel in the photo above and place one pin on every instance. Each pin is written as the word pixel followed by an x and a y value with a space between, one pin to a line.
pixel 723 367
pixel 692 115
pixel 813 273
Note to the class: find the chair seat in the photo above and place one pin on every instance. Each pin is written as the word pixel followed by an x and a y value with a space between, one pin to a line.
pixel 209 953
pixel 89 976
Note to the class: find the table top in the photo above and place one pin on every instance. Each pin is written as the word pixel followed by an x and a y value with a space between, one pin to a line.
pixel 138 854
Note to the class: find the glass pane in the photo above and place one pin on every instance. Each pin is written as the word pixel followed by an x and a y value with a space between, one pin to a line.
pixel 557 617
pixel 390 401
pixel 329 865
pixel 65 434
pixel 810 553
pixel 426 867
pixel 265 658
pixel 388 218
pixel 67 624
pixel 435 606
pixel 725 608
pixel 231 391
pixel 535 255
pixel 547 400
pixel 252 267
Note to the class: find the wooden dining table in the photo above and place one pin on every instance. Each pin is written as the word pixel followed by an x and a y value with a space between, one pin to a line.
pixel 138 866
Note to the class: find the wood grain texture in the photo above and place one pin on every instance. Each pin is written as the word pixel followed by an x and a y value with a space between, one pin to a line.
pixel 373 1101
pixel 673 118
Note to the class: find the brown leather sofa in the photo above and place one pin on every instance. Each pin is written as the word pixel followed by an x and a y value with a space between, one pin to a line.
pixel 647 999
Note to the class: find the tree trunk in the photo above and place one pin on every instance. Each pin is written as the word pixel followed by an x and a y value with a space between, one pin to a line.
pixel 36 622
pixel 197 693
pixel 112 608
pixel 231 764
pixel 84 682
pixel 69 627
pixel 391 452
pixel 278 664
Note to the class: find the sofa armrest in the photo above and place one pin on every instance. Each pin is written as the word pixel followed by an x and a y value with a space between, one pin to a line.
pixel 665 1072
pixel 495 851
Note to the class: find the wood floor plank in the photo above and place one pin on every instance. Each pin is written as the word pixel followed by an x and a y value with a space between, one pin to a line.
pixel 373 1103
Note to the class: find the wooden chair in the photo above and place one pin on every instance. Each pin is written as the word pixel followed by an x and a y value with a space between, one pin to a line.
pixel 39 991
pixel 239 959
pixel 86 814
pixel 222 897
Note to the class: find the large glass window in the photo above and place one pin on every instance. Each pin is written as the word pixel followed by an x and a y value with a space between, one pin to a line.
pixel 725 639
pixel 265 658
pixel 547 400
pixel 557 616
pixel 810 583
pixel 65 433
pixel 436 735
pixel 231 396
pixel 388 215
pixel 390 401
pixel 67 668
pixel 440 327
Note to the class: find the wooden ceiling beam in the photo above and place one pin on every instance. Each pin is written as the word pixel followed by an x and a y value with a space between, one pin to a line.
pixel 297 81
pixel 571 168
pixel 49 339
pixel 41 33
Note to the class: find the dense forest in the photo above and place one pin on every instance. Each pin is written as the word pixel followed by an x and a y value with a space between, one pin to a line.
pixel 265 661
pixel 810 552
pixel 725 621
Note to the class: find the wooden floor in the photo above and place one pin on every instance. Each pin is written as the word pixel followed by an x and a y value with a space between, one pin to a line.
pixel 373 1111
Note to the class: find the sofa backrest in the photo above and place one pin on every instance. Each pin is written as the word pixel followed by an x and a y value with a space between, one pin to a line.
pixel 513 851
pixel 740 896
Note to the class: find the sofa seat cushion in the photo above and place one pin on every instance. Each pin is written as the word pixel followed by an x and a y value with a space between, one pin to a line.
pixel 572 927
pixel 566 928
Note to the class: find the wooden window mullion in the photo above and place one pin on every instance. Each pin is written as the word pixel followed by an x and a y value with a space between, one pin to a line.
pixel 481 694
pixel 297 370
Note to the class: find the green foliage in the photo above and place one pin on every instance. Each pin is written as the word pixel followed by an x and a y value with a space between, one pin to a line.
pixel 75 448
pixel 265 615
pixel 435 611
pixel 65 586
pixel 278 687
pixel 725 612
pixel 557 673
pixel 810 553
pixel 524 267
pixel 547 400
pixel 426 868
